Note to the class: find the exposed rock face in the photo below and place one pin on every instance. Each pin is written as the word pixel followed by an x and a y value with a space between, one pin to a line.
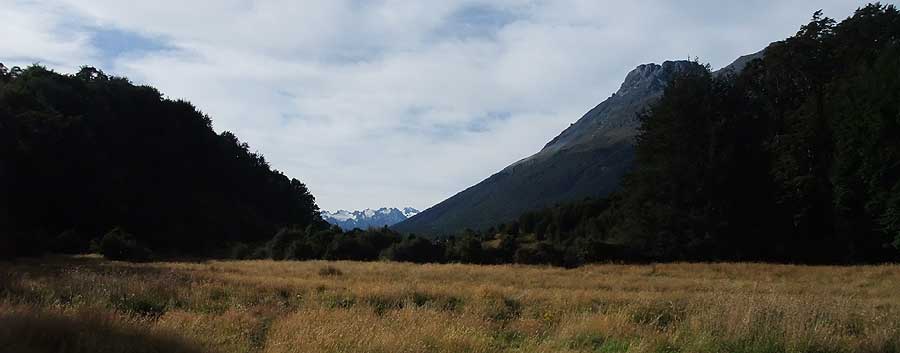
pixel 614 120
pixel 586 160
pixel 738 65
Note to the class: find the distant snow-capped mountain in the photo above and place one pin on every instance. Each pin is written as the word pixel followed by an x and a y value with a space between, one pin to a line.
pixel 368 218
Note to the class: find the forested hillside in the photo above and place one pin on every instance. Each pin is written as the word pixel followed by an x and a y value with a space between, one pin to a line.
pixel 83 154
pixel 797 158
pixel 587 159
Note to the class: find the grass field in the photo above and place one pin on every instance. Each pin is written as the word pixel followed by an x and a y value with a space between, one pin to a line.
pixel 86 304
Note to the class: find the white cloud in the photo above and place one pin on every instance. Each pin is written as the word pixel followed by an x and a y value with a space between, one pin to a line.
pixel 396 103
pixel 30 34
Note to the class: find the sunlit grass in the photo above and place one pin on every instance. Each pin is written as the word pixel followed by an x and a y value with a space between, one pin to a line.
pixel 85 304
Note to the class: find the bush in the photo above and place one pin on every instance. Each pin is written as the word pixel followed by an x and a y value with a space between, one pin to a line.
pixel 300 250
pixel 415 249
pixel 240 251
pixel 507 309
pixel 467 249
pixel 278 246
pixel 122 246
pixel 541 253
pixel 142 305
pixel 351 247
pixel 69 242
pixel 329 271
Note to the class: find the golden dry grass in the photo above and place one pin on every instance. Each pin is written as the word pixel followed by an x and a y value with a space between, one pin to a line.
pixel 85 304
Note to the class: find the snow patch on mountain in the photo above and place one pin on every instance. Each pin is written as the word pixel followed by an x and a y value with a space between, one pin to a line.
pixel 368 218
pixel 409 212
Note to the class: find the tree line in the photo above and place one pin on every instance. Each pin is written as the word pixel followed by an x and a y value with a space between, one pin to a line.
pixel 86 155
pixel 796 158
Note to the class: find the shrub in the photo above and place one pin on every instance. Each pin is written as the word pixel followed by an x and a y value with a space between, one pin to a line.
pixel 596 342
pixel 661 315
pixel 383 303
pixel 507 309
pixel 142 305
pixel 70 242
pixel 300 250
pixel 240 251
pixel 339 300
pixel 415 249
pixel 351 247
pixel 328 271
pixel 541 253
pixel 122 246
pixel 278 246
pixel 260 253
pixel 467 249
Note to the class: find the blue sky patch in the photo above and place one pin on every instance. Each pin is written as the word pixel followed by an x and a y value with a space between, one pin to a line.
pixel 113 43
pixel 476 21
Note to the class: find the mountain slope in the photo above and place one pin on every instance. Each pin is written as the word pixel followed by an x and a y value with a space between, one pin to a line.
pixel 86 153
pixel 738 65
pixel 368 218
pixel 586 160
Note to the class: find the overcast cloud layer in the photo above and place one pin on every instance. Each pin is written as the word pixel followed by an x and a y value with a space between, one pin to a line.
pixel 391 103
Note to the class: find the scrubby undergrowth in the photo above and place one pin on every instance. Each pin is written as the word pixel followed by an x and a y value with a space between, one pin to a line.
pixel 85 304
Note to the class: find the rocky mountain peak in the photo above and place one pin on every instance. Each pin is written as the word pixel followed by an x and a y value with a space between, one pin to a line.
pixel 586 160
pixel 653 76
pixel 614 120
pixel 368 218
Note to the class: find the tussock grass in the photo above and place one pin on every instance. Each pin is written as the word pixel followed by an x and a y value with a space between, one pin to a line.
pixel 86 304
pixel 26 329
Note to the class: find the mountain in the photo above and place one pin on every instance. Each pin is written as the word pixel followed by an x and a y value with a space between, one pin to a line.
pixel 738 65
pixel 794 158
pixel 587 159
pixel 368 218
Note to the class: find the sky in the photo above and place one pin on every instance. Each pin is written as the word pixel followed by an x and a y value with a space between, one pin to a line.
pixel 391 103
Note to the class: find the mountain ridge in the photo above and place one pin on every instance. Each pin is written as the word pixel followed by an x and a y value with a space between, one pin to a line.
pixel 587 159
pixel 368 218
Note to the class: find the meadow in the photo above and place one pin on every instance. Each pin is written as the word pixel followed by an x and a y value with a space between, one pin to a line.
pixel 87 304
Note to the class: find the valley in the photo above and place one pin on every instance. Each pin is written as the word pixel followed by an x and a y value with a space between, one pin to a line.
pixel 752 208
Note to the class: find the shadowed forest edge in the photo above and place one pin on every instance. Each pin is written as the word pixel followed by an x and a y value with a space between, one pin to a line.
pixel 794 159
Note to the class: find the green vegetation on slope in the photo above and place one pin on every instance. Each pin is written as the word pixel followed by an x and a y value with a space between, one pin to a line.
pixel 83 154
pixel 588 159
pixel 796 158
